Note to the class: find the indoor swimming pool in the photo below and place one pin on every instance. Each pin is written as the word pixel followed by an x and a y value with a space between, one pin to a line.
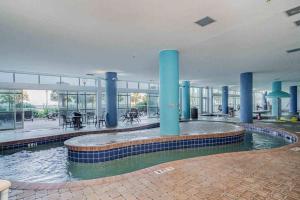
pixel 49 163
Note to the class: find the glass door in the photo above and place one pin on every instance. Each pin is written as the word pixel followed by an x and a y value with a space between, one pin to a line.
pixel 153 105
pixel 11 109
pixel 19 114
pixel 73 101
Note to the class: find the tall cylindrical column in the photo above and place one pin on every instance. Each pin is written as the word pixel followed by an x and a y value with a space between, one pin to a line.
pixel 111 99
pixel 276 102
pixel 246 87
pixel 225 99
pixel 169 92
pixel 186 105
pixel 293 100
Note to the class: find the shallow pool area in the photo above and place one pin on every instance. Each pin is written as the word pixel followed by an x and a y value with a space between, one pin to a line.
pixel 49 163
pixel 105 147
pixel 186 129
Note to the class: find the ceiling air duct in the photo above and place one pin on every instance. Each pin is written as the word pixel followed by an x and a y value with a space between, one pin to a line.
pixel 293 11
pixel 293 50
pixel 205 21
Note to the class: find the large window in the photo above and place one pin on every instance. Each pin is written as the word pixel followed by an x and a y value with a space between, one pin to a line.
pixel 217 102
pixel 26 78
pixel 234 99
pixel 49 79
pixel 11 109
pixel 83 102
pixel 123 103
pixel 217 99
pixel 257 100
pixel 153 105
pixel 139 102
pixel 234 102
pixel 146 104
pixel 195 97
pixel 6 77
pixel 205 100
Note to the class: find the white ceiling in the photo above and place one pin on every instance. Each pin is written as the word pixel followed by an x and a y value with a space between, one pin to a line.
pixel 78 37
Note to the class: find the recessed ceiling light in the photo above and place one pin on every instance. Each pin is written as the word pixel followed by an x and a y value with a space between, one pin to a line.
pixel 205 21
pixel 293 11
pixel 90 74
pixel 293 50
pixel 100 71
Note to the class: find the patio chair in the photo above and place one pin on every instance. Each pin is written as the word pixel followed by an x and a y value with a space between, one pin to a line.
pixel 66 121
pixel 51 116
pixel 100 120
pixel 28 115
pixel 91 118
pixel 136 117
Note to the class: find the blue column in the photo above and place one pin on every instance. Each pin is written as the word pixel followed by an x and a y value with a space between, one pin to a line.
pixel 186 105
pixel 246 87
pixel 111 99
pixel 169 92
pixel 293 100
pixel 225 99
pixel 276 102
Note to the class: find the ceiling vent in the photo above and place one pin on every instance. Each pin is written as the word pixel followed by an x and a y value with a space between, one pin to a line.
pixel 293 11
pixel 297 23
pixel 205 21
pixel 293 50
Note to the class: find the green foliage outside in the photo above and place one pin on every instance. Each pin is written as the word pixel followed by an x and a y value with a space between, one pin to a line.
pixel 139 101
pixel 43 113
pixel 9 101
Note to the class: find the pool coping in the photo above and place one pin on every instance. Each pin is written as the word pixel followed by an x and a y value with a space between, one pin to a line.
pixel 111 151
pixel 156 139
pixel 19 185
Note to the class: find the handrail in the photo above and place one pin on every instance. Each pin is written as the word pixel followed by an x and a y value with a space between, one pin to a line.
pixel 4 187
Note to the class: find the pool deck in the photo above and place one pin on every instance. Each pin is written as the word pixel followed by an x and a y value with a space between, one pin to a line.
pixel 262 174
pixel 25 134
pixel 19 134
pixel 193 128
pixel 110 146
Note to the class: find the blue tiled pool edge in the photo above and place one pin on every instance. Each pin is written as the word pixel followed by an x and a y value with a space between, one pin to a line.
pixel 117 153
pixel 286 135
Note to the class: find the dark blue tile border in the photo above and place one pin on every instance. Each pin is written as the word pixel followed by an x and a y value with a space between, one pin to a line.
pixel 270 131
pixel 117 153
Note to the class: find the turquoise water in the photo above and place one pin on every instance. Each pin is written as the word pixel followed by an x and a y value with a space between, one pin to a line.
pixel 49 163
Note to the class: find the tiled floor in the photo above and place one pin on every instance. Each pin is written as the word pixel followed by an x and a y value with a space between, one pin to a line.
pixel 44 128
pixel 38 123
pixel 264 174
pixel 21 134
pixel 190 128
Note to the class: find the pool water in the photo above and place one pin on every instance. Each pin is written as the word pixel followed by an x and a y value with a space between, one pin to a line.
pixel 49 163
